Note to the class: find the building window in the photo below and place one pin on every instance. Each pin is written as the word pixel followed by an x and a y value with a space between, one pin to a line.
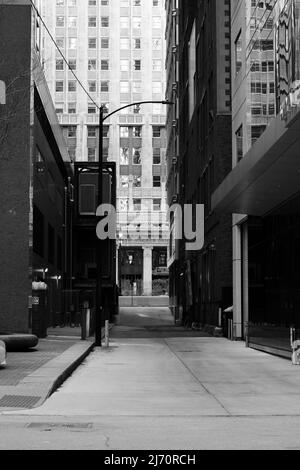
pixel 137 182
pixel 136 157
pixel 136 22
pixel 238 53
pixel 124 22
pixel 124 87
pixel 60 21
pixel 91 108
pixel 157 205
pixel 105 86
pixel 156 65
pixel 137 43
pixel 124 132
pixel 239 143
pixel 92 22
pixel 124 156
pixel 137 131
pixel 59 86
pixel 91 154
pixel 124 65
pixel 137 205
pixel 72 85
pixel 60 43
pixel 137 87
pixel 124 43
pixel 137 64
pixel 72 108
pixel 104 21
pixel 156 44
pixel 72 131
pixel 72 21
pixel 156 156
pixel 92 43
pixel 104 43
pixel 156 88
pixel 123 205
pixel 72 43
pixel 106 131
pixel 156 131
pixel 256 132
pixel 92 64
pixel 124 180
pixel 104 64
pixel 156 182
pixel 59 64
pixel 156 22
pixel 92 131
pixel 92 86
pixel 72 64
pixel 59 108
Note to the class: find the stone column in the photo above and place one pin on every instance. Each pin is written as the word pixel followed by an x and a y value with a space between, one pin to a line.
pixel 147 271
pixel 237 280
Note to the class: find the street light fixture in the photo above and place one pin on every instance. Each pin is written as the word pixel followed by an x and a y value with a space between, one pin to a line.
pixel 99 293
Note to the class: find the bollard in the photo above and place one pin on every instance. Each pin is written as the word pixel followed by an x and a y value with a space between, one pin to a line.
pixel 295 345
pixel 106 333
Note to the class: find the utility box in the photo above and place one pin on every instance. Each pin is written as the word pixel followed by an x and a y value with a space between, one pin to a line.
pixel 39 309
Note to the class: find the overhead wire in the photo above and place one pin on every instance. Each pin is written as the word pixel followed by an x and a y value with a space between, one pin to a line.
pixel 63 56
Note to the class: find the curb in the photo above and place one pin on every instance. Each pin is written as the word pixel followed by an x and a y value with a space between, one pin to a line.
pixel 68 372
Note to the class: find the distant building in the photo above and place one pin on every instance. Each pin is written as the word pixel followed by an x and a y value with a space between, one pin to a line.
pixel 199 153
pixel 263 188
pixel 117 50
pixel 35 184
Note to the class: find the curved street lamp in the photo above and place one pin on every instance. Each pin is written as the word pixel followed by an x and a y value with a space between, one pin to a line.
pixel 99 294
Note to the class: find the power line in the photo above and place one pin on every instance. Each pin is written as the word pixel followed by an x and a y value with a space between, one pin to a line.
pixel 62 55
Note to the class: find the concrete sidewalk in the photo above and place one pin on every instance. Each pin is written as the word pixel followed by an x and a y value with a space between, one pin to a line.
pixel 30 377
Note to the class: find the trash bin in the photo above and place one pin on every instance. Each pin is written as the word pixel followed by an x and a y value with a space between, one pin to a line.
pixel 228 323
pixel 39 309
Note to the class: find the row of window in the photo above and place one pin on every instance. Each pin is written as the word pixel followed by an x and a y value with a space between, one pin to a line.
pixel 136 22
pixel 137 181
pixel 263 87
pixel 137 205
pixel 104 64
pixel 124 131
pixel 136 158
pixel 136 87
pixel 125 43
pixel 94 3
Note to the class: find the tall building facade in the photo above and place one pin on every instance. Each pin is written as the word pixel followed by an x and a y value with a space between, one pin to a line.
pixel 199 153
pixel 262 190
pixel 117 50
pixel 36 183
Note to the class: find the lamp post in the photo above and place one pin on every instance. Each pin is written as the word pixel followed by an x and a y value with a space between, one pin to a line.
pixel 99 290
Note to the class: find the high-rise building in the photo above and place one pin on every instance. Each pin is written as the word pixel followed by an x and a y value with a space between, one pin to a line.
pixel 116 48
pixel 36 179
pixel 199 153
pixel 262 190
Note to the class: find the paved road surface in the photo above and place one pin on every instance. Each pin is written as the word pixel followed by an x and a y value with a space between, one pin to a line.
pixel 160 387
